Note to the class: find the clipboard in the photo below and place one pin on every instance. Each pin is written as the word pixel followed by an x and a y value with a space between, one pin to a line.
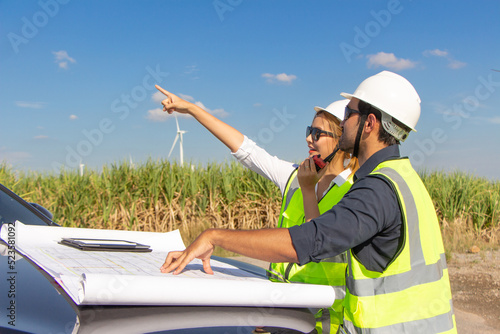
pixel 107 245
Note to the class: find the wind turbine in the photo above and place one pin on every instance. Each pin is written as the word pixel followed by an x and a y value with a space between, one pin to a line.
pixel 179 135
pixel 81 167
pixel 131 161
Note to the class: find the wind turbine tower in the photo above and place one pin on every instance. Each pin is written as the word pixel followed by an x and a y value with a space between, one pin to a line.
pixel 178 136
pixel 81 168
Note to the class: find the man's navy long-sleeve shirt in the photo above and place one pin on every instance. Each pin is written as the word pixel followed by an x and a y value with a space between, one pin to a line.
pixel 367 220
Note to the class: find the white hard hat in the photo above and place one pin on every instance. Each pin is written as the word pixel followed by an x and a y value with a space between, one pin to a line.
pixel 393 95
pixel 336 108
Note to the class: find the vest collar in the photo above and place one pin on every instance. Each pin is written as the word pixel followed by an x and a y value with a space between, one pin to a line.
pixel 387 153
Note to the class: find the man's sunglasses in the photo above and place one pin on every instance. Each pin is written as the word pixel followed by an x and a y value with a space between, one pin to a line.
pixel 348 112
pixel 316 133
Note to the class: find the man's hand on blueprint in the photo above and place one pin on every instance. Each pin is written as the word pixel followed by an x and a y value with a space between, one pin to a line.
pixel 202 248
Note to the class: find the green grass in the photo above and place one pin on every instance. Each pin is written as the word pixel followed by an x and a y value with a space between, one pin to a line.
pixel 459 195
pixel 161 196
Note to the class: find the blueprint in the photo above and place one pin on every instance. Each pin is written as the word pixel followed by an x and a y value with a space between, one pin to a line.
pixel 132 278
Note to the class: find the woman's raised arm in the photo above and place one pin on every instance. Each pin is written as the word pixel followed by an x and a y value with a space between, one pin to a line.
pixel 228 135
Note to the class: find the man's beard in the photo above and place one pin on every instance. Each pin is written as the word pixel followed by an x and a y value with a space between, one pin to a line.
pixel 345 144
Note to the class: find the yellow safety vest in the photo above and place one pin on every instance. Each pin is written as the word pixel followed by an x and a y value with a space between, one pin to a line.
pixel 412 295
pixel 329 271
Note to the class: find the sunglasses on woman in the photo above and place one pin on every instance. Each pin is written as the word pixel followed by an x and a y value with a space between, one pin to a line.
pixel 316 133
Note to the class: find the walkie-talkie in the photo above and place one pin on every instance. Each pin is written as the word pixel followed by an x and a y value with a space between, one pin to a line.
pixel 320 163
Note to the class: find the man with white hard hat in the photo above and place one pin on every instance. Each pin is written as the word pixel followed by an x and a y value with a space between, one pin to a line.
pixel 397 279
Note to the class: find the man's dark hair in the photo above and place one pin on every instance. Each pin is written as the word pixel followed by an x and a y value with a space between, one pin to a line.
pixel 383 135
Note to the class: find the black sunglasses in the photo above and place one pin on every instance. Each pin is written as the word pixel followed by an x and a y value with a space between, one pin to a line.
pixel 316 133
pixel 348 112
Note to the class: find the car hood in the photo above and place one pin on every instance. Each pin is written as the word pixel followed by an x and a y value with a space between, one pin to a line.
pixel 41 306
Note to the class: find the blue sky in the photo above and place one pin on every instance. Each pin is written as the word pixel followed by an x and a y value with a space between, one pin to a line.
pixel 76 77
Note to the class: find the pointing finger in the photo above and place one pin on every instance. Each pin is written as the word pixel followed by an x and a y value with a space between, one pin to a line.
pixel 165 92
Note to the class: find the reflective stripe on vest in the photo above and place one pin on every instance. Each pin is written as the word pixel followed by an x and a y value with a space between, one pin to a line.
pixel 437 324
pixel 323 321
pixel 413 294
pixel 329 271
pixel 292 213
pixel 291 187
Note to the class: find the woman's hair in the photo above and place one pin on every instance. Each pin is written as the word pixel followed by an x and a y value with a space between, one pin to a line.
pixel 334 124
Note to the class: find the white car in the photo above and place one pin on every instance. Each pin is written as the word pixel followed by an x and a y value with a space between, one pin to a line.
pixel 33 302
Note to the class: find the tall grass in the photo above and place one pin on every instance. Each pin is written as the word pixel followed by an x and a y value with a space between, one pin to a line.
pixel 163 196
pixel 154 196
pixel 468 208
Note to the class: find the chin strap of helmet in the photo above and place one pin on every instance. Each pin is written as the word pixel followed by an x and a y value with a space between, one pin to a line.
pixel 362 120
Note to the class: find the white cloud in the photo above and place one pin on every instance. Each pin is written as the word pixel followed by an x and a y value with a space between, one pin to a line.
pixel 482 119
pixel 63 59
pixel 157 115
pixel 158 97
pixel 191 69
pixel 390 61
pixel 186 97
pixel 435 52
pixel 220 113
pixel 452 63
pixel 268 76
pixel 494 120
pixel 41 137
pixel 32 105
pixel 279 78
pixel 73 117
pixel 455 64
pixel 257 105
pixel 285 77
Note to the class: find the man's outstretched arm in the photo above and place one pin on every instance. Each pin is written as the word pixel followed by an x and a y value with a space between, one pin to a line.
pixel 273 245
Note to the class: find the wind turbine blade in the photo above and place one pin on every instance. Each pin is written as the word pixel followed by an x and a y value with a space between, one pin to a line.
pixel 181 150
pixel 173 145
pixel 177 122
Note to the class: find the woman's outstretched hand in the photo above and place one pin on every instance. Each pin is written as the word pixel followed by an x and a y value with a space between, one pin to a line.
pixel 231 137
pixel 174 103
